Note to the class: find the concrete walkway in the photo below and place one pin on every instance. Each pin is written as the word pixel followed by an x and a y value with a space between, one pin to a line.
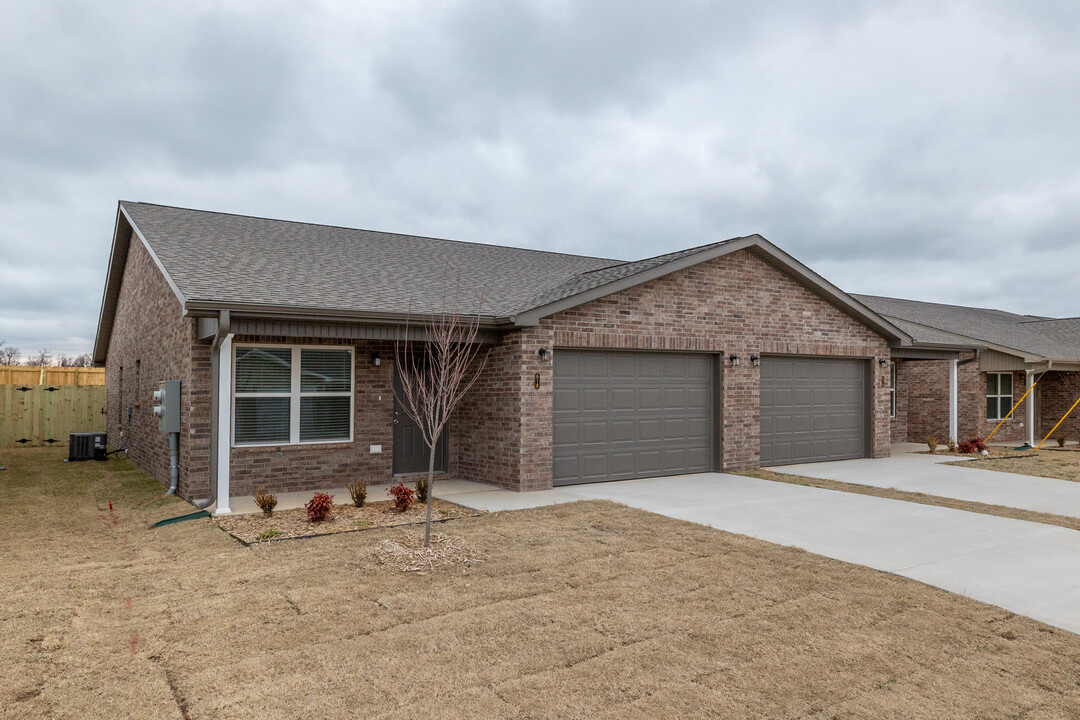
pixel 1025 567
pixel 928 474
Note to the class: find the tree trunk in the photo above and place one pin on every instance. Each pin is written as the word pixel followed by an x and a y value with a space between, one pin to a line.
pixel 430 482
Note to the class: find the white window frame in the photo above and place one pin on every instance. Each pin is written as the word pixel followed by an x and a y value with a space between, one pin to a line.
pixel 295 394
pixel 1012 389
pixel 892 389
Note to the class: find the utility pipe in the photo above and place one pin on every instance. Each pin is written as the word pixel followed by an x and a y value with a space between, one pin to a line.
pixel 174 462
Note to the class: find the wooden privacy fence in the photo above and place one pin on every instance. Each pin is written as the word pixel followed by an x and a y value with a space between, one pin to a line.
pixel 38 415
pixel 50 375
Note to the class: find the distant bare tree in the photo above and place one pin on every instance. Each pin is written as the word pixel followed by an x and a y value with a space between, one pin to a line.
pixel 435 374
pixel 43 357
pixel 9 354
pixel 83 360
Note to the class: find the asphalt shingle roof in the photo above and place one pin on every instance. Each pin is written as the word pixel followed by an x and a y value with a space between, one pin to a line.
pixel 247 260
pixel 590 279
pixel 936 323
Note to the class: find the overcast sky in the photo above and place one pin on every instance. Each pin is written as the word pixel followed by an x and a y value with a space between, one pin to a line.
pixel 922 150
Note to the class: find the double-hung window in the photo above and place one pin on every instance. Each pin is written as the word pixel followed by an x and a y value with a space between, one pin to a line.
pixel 999 395
pixel 291 395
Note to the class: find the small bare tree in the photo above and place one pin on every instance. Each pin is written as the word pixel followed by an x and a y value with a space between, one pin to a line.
pixel 435 373
pixel 44 357
pixel 9 355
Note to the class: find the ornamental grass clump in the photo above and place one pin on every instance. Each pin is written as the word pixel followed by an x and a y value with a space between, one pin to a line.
pixel 266 501
pixel 1061 441
pixel 931 442
pixel 422 488
pixel 952 445
pixel 319 507
pixel 358 492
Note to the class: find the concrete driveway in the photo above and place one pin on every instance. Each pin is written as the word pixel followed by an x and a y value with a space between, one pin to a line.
pixel 1028 568
pixel 928 474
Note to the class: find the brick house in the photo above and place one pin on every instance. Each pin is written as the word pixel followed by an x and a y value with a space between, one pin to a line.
pixel 720 357
pixel 993 357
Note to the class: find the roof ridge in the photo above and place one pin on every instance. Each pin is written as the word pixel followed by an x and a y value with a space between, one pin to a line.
pixel 615 261
pixel 1045 320
pixel 941 304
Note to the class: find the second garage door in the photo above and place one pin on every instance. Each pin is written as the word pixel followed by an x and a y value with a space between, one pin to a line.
pixel 623 415
pixel 812 409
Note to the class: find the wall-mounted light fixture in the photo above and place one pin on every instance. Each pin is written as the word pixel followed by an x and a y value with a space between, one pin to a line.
pixel 755 360
pixel 882 362
pixel 733 359
pixel 544 354
pixel 376 359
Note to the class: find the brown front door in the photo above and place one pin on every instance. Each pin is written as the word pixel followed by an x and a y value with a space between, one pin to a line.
pixel 410 452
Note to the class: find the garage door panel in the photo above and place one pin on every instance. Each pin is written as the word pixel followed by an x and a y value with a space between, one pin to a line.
pixel 565 433
pixel 623 398
pixel 628 414
pixel 565 399
pixel 812 409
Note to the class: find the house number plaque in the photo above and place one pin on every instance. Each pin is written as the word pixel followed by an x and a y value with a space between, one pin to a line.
pixel 536 381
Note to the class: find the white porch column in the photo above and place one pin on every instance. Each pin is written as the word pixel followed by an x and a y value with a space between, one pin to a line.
pixel 953 401
pixel 1030 403
pixel 224 424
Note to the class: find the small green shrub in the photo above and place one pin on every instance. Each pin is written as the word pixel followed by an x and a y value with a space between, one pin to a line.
pixel 266 501
pixel 270 534
pixel 358 492
pixel 422 488
pixel 931 442
pixel 319 507
pixel 1061 441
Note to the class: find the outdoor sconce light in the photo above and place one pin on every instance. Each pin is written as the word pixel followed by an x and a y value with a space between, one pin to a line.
pixel 755 360
pixel 376 359
pixel 881 362
pixel 734 359
pixel 543 353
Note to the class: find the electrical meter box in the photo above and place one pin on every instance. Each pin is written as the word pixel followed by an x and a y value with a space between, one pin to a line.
pixel 167 406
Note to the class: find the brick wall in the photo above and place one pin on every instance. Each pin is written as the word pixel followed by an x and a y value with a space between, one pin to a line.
pixel 927 390
pixel 1057 393
pixel 288 468
pixel 150 342
pixel 501 433
pixel 735 304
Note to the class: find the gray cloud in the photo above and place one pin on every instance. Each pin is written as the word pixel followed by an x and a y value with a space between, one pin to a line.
pixel 912 150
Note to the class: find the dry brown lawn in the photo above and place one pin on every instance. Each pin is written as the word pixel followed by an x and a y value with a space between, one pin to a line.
pixel 587 610
pixel 1060 463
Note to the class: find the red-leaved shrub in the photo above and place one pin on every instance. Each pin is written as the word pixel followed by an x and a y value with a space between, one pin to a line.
pixel 403 496
pixel 973 445
pixel 318 508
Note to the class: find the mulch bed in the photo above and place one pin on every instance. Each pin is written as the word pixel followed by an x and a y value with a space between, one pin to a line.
pixel 345 518
pixel 996 453
pixel 407 553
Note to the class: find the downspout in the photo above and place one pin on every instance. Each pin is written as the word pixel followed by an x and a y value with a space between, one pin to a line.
pixel 224 324
pixel 954 393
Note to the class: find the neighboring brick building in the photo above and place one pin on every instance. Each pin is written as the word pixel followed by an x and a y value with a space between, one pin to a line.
pixel 997 356
pixel 721 357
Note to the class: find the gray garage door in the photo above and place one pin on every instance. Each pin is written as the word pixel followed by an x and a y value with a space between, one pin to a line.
pixel 622 415
pixel 812 409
